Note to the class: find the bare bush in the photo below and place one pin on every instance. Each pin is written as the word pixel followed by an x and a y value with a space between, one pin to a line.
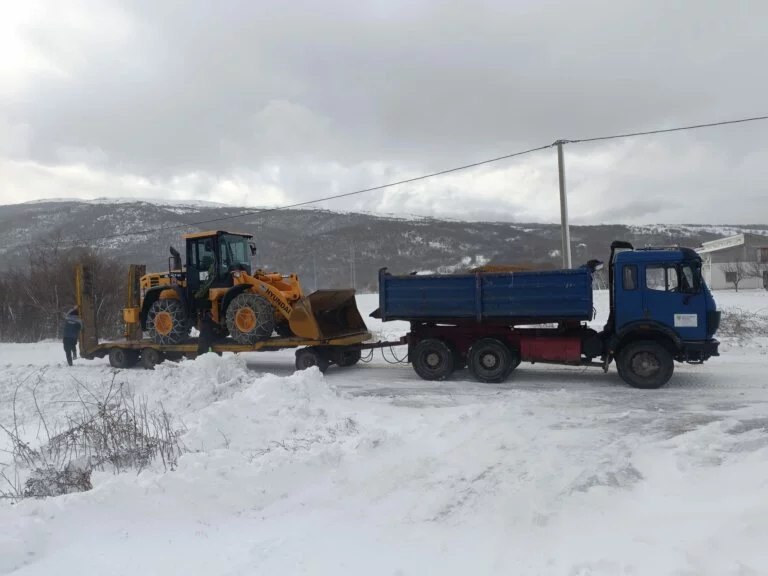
pixel 743 324
pixel 114 433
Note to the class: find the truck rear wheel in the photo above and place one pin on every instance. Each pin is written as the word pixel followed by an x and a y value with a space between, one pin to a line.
pixel 167 322
pixel 490 360
pixel 433 359
pixel 250 318
pixel 646 365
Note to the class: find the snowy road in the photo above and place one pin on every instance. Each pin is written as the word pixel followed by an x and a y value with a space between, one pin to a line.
pixel 371 470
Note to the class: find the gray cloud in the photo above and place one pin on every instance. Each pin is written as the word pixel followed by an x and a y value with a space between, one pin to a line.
pixel 253 98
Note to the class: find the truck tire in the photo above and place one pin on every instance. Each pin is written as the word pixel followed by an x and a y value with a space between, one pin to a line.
pixel 433 359
pixel 250 318
pixel 646 365
pixel 308 357
pixel 167 322
pixel 490 360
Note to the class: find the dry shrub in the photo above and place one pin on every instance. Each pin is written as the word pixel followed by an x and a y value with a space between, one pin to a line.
pixel 114 433
pixel 743 324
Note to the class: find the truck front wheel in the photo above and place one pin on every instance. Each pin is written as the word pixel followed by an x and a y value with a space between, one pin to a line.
pixel 646 365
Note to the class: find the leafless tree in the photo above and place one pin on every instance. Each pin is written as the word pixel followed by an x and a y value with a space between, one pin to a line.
pixel 736 272
pixel 758 270
pixel 34 298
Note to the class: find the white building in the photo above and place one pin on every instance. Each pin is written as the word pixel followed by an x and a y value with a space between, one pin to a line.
pixel 742 258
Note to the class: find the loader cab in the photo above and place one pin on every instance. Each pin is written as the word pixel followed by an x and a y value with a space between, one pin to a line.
pixel 660 289
pixel 219 253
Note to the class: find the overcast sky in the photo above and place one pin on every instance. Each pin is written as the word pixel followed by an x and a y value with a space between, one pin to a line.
pixel 261 102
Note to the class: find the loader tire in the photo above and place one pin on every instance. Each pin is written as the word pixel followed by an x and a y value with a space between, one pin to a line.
pixel 167 322
pixel 250 318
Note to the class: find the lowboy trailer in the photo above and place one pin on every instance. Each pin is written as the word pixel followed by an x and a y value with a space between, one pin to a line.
pixel 343 349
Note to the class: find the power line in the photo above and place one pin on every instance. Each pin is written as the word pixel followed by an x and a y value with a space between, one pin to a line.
pixel 400 182
pixel 666 130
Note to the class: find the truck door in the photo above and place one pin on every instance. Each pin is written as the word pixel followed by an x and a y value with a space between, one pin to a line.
pixel 628 296
pixel 672 296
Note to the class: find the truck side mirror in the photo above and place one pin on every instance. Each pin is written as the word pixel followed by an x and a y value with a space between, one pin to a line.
pixel 252 246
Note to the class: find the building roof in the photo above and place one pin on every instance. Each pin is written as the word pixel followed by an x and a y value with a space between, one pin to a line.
pixel 722 244
pixel 753 240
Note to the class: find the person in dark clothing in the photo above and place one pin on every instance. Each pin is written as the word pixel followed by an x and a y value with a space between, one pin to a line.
pixel 72 325
pixel 208 333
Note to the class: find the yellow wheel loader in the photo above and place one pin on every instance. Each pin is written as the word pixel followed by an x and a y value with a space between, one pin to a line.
pixel 246 305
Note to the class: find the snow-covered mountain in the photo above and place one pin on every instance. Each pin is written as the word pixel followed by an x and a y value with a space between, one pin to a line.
pixel 324 248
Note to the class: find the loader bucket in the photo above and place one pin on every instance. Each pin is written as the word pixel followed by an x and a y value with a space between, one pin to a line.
pixel 327 314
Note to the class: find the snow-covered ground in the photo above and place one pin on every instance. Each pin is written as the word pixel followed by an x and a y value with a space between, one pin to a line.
pixel 370 470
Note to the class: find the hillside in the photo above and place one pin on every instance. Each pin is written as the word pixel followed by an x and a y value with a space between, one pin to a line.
pixel 320 246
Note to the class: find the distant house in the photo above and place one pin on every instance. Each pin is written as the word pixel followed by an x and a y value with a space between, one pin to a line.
pixel 739 261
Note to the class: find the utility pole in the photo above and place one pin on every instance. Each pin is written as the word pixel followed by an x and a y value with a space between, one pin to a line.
pixel 563 207
pixel 352 266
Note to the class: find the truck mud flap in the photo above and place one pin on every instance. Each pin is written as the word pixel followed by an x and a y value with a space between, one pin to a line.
pixel 327 314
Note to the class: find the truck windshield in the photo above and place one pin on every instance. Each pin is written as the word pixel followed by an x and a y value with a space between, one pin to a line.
pixel 234 251
pixel 684 277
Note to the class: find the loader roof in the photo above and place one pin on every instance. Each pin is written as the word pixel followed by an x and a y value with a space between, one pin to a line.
pixel 211 233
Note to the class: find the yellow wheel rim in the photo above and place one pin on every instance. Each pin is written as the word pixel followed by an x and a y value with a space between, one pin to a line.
pixel 163 323
pixel 245 320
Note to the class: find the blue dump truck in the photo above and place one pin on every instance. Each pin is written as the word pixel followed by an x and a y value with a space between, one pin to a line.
pixel 661 312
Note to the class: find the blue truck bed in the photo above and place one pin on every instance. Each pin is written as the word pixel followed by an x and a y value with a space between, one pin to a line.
pixel 514 297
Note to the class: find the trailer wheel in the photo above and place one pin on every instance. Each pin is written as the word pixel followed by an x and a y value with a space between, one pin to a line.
pixel 346 358
pixel 250 318
pixel 646 365
pixel 308 357
pixel 490 360
pixel 433 359
pixel 150 357
pixel 123 357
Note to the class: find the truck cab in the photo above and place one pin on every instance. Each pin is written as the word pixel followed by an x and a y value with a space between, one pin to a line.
pixel 660 310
